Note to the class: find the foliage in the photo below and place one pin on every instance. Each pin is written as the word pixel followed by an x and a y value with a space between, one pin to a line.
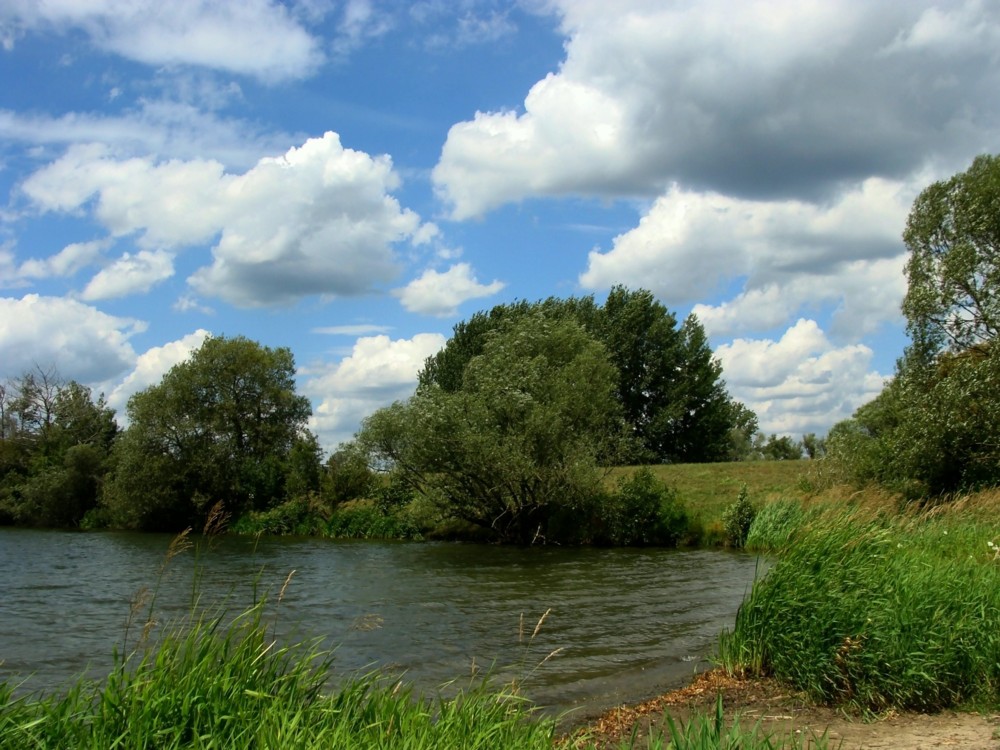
pixel 304 515
pixel 643 510
pixel 213 684
pixel 953 273
pixel 738 518
pixel 813 446
pixel 879 611
pixel 520 439
pixel 935 428
pixel 931 431
pixel 775 525
pixel 347 476
pixel 224 425
pixel 369 520
pixel 668 383
pixel 54 444
pixel 782 448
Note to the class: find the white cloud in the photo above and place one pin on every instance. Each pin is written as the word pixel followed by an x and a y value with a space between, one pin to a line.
pixel 69 260
pixel 318 220
pixel 360 22
pixel 378 371
pixel 151 366
pixel 791 255
pixel 81 342
pixel 440 294
pixel 258 38
pixel 741 98
pixel 130 274
pixel 801 383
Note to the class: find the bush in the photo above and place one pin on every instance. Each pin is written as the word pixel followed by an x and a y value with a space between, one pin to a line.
pixel 644 510
pixel 365 520
pixel 737 518
pixel 304 516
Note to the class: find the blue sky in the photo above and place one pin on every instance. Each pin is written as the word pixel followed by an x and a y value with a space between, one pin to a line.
pixel 350 178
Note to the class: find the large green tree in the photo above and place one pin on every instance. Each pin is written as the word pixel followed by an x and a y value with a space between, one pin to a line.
pixel 953 273
pixel 668 383
pixel 515 449
pixel 223 425
pixel 935 428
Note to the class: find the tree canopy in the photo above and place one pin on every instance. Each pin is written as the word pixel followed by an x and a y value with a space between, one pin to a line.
pixel 953 273
pixel 519 441
pixel 220 426
pixel 55 438
pixel 667 383
pixel 935 428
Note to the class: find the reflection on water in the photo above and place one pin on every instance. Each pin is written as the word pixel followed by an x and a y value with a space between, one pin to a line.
pixel 628 621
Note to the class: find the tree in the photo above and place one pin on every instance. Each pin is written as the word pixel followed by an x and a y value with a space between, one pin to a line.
pixel 53 451
pixel 518 445
pixel 814 447
pixel 953 273
pixel 935 428
pixel 668 383
pixel 782 448
pixel 225 425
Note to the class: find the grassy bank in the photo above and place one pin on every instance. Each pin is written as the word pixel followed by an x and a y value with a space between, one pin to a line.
pixel 878 608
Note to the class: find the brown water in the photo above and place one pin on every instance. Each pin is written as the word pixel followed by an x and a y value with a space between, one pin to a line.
pixel 629 622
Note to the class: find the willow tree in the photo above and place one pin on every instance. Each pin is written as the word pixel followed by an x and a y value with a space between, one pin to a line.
pixel 516 449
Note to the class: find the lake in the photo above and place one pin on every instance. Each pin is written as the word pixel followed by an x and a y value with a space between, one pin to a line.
pixel 628 623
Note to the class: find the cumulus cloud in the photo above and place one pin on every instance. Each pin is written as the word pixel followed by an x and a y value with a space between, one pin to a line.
pixel 318 220
pixel 800 383
pixel 738 98
pixel 440 294
pixel 790 255
pixel 130 274
pixel 151 366
pixel 259 38
pixel 81 342
pixel 378 371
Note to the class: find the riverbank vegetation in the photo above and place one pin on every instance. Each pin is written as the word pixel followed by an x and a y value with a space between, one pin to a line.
pixel 877 608
pixel 509 437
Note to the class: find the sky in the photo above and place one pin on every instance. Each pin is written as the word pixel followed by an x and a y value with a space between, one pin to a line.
pixel 351 178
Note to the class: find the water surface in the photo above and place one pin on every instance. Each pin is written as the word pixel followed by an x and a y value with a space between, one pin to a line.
pixel 627 622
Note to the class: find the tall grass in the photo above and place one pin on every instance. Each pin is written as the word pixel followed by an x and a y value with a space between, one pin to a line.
pixel 880 610
pixel 210 685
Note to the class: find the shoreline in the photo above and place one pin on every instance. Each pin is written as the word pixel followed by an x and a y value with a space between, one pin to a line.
pixel 784 712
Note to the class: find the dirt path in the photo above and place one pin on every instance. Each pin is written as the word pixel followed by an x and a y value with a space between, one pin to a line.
pixel 781 712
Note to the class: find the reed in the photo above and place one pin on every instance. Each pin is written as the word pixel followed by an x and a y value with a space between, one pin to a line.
pixel 880 610
pixel 207 684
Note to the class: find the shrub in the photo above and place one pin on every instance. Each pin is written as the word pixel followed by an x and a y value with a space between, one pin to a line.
pixel 303 516
pixel 365 520
pixel 737 518
pixel 643 510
